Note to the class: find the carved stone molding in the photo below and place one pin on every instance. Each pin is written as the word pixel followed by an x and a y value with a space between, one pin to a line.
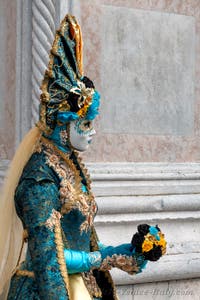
pixel 43 30
pixel 23 70
pixel 166 194
pixel 33 44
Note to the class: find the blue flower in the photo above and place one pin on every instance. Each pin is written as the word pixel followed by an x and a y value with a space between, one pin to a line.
pixel 154 231
pixel 93 108
pixel 66 116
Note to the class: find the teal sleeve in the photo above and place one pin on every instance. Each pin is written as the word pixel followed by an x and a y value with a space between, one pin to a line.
pixel 36 201
pixel 124 249
pixel 81 261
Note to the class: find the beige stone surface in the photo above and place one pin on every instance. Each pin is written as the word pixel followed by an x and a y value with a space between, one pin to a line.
pixel 142 146
pixel 174 290
pixel 7 77
pixel 147 72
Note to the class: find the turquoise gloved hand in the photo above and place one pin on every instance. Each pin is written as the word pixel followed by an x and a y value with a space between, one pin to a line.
pixel 124 249
pixel 123 257
pixel 81 261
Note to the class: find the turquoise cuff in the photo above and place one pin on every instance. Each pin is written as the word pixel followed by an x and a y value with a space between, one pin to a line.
pixel 101 246
pixel 80 261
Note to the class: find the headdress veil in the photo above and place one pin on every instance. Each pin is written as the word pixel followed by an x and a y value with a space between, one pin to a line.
pixel 66 95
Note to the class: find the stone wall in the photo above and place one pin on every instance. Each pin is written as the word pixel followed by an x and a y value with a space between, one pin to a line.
pixel 7 78
pixel 129 194
pixel 144 59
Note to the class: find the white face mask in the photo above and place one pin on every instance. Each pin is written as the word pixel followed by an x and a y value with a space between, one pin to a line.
pixel 81 133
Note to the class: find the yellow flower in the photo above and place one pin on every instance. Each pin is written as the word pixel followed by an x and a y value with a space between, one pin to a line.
pixel 147 246
pixel 162 243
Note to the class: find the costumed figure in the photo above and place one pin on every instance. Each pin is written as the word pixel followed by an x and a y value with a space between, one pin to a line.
pixel 53 198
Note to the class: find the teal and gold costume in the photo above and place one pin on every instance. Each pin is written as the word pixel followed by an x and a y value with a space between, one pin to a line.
pixel 54 224
pixel 53 198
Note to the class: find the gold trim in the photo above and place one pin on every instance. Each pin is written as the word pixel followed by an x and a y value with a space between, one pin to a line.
pixel 93 291
pixel 25 273
pixel 53 219
pixel 60 256
pixel 93 240
pixel 66 207
pixel 68 161
pixel 41 125
pixel 84 171
pixel 75 30
pixel 61 259
pixel 85 203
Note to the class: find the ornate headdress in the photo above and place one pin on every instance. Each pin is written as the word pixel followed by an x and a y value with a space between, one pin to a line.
pixel 66 94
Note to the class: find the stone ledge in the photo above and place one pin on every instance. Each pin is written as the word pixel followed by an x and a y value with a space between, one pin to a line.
pixel 156 193
pixel 140 204
pixel 149 217
pixel 129 179
pixel 168 268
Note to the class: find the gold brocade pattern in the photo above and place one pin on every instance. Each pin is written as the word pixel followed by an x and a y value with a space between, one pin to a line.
pixel 77 35
pixel 122 262
pixel 53 220
pixel 61 259
pixel 71 195
pixel 90 282
pixel 60 255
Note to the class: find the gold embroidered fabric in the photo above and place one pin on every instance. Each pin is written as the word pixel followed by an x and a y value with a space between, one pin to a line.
pixel 92 286
pixel 122 262
pixel 71 195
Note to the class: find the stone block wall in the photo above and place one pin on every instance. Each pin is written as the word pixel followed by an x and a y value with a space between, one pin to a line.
pixel 144 57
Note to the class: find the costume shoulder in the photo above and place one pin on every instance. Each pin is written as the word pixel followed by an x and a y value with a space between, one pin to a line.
pixel 37 169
